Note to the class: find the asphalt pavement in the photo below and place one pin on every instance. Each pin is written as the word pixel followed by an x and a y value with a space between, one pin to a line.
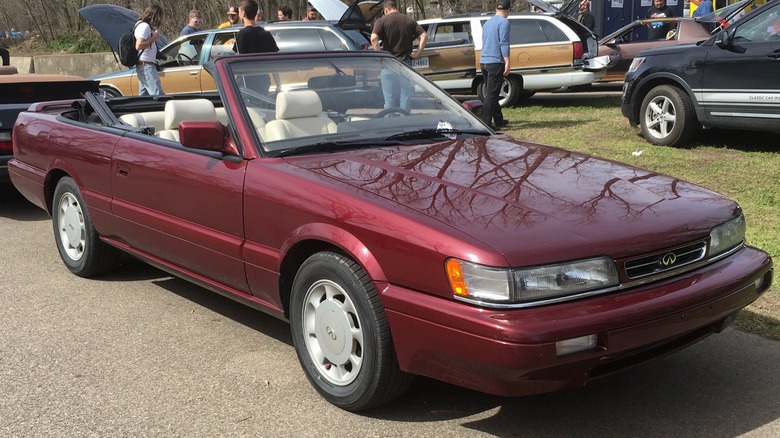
pixel 140 353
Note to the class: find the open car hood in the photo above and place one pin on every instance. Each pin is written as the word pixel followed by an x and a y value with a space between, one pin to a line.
pixel 356 15
pixel 113 21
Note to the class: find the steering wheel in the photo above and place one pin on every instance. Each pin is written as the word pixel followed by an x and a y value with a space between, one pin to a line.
pixel 393 110
pixel 181 57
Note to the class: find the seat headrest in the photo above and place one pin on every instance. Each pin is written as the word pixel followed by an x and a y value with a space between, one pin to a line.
pixel 193 109
pixel 297 104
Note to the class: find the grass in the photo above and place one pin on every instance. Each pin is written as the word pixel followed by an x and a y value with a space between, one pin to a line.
pixel 744 166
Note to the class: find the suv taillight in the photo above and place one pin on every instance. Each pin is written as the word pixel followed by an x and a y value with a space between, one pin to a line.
pixel 578 51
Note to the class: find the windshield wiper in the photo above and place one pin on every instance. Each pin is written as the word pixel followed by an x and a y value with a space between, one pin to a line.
pixel 333 146
pixel 434 133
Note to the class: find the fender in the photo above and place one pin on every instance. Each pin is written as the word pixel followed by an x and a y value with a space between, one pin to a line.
pixel 338 237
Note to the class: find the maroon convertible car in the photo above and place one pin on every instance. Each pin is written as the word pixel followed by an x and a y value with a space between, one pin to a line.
pixel 398 240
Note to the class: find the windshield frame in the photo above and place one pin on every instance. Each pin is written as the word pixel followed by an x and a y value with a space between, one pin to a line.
pixel 350 104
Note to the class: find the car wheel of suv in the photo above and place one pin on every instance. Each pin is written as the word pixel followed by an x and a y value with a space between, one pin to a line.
pixel 341 334
pixel 511 92
pixel 667 117
pixel 78 243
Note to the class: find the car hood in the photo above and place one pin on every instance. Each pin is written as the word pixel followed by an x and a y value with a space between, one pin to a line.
pixel 532 203
pixel 113 21
pixel 668 50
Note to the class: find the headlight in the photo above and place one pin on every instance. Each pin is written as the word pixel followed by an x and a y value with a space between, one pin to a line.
pixel 527 286
pixel 728 236
pixel 635 64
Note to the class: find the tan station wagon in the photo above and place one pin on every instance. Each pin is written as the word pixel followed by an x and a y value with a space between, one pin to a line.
pixel 546 53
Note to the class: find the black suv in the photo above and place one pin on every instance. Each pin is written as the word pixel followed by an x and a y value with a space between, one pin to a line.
pixel 731 80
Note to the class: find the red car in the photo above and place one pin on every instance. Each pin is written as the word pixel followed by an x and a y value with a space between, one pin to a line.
pixel 398 238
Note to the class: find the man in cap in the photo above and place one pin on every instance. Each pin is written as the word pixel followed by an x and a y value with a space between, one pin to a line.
pixel 494 63
pixel 232 16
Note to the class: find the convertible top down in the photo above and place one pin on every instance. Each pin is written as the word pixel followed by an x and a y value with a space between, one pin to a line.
pixel 396 242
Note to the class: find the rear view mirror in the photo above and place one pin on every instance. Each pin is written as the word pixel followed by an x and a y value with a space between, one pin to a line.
pixel 332 81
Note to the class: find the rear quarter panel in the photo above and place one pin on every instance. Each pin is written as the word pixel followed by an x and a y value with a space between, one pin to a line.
pixel 55 148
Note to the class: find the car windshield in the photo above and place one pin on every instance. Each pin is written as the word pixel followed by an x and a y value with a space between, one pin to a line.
pixel 336 102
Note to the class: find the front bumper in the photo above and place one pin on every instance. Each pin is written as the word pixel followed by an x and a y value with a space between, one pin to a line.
pixel 513 352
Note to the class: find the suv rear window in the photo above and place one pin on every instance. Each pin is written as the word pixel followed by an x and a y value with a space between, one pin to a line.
pixel 454 33
pixel 534 32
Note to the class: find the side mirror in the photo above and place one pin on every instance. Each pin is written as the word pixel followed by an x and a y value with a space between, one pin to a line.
pixel 202 135
pixel 725 40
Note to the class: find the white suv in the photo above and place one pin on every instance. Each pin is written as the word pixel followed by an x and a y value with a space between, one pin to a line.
pixel 546 53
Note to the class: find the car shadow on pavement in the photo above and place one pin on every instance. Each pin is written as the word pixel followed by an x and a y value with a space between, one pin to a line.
pixel 16 207
pixel 229 308
pixel 724 386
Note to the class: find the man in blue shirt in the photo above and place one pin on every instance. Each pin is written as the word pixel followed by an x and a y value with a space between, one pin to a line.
pixel 494 63
pixel 193 23
pixel 703 9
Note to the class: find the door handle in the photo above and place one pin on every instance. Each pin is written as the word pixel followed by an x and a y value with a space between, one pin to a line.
pixel 194 73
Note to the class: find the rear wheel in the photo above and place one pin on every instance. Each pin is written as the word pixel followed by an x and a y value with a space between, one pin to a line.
pixel 78 243
pixel 667 117
pixel 341 334
pixel 511 92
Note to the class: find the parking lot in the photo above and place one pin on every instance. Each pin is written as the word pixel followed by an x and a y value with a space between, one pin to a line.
pixel 140 353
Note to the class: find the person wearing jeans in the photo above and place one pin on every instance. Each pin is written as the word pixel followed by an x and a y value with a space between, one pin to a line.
pixel 397 90
pixel 397 33
pixel 146 35
pixel 494 63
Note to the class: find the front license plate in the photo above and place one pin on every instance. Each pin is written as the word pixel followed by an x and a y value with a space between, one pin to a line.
pixel 420 63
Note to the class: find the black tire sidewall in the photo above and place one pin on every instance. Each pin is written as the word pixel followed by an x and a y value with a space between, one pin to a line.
pixel 330 266
pixel 65 186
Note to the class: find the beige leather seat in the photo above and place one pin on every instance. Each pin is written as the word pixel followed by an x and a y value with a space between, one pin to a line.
pixel 258 120
pixel 177 111
pixel 155 119
pixel 298 114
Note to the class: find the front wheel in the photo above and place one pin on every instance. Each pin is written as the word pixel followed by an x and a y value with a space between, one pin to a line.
pixel 78 243
pixel 341 334
pixel 667 117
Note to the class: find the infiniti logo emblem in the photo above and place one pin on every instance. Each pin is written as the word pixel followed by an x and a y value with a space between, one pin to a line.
pixel 668 259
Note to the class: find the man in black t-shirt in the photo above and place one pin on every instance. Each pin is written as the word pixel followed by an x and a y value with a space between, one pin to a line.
pixel 658 29
pixel 253 39
pixel 397 33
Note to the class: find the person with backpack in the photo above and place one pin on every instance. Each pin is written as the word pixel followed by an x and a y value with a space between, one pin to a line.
pixel 146 35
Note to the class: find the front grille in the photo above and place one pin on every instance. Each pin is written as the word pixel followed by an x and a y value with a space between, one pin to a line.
pixel 665 261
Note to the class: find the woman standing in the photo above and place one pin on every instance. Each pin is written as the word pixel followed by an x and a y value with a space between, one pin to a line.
pixel 146 35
